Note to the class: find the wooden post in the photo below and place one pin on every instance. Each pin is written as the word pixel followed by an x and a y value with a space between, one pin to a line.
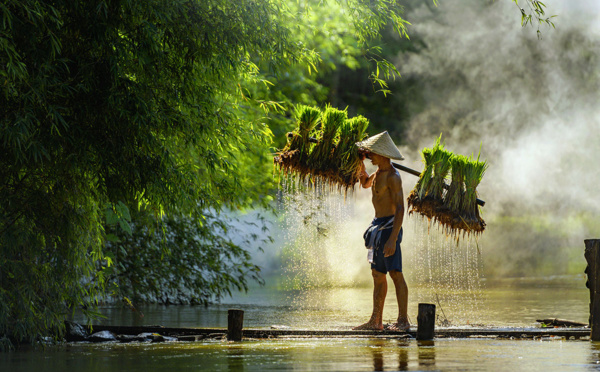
pixel 426 322
pixel 592 256
pixel 235 322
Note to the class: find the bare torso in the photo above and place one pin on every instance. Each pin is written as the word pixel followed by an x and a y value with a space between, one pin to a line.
pixel 383 200
pixel 386 186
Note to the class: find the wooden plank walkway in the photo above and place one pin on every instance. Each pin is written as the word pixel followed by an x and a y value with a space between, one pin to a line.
pixel 456 332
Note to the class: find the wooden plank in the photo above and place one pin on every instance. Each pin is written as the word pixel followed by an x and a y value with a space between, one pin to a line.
pixel 439 332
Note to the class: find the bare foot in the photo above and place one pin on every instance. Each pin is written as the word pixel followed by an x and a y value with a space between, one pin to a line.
pixel 369 326
pixel 400 327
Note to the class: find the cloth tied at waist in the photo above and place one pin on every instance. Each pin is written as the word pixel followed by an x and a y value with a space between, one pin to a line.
pixel 373 234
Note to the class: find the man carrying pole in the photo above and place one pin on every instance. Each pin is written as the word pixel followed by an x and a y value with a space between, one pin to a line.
pixel 384 235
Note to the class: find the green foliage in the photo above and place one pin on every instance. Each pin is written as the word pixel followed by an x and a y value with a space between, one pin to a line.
pixel 349 38
pixel 536 12
pixel 110 106
pixel 124 101
pixel 183 260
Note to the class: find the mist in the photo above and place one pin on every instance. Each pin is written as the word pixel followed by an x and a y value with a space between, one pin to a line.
pixel 531 106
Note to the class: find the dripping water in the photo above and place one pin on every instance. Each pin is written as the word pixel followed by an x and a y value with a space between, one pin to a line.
pixel 323 249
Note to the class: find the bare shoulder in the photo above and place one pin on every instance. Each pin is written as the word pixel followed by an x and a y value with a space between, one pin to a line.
pixel 394 181
pixel 394 177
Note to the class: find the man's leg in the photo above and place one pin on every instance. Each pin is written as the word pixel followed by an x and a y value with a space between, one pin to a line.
pixel 402 297
pixel 379 292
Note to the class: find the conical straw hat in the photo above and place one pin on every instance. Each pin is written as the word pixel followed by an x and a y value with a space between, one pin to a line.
pixel 381 144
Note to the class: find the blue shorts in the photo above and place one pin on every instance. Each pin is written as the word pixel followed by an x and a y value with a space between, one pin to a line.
pixel 393 262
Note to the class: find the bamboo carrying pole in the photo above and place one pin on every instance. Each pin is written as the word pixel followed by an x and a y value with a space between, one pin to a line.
pixel 592 256
pixel 399 167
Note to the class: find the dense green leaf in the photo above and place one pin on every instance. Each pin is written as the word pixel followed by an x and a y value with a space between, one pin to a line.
pixel 110 107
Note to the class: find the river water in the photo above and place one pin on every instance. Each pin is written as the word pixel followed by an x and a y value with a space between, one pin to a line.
pixel 509 302
pixel 320 280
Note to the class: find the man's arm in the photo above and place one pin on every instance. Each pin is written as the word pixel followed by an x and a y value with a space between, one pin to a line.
pixel 366 180
pixel 397 196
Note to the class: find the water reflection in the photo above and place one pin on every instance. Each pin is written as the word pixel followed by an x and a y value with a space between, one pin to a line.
pixel 595 352
pixel 376 347
pixel 318 354
pixel 403 355
pixel 235 358
pixel 513 302
pixel 426 352
pixel 383 352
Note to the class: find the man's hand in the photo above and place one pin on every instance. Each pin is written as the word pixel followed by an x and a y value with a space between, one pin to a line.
pixel 363 153
pixel 365 179
pixel 390 247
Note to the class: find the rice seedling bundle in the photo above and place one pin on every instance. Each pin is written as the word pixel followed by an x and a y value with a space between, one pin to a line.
pixel 454 207
pixel 343 143
pixel 293 158
pixel 453 199
pixel 320 159
pixel 418 198
pixel 347 153
pixel 441 167
pixel 325 153
pixel 451 215
pixel 474 172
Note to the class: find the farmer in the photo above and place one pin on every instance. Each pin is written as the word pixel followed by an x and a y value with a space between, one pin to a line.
pixel 384 235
